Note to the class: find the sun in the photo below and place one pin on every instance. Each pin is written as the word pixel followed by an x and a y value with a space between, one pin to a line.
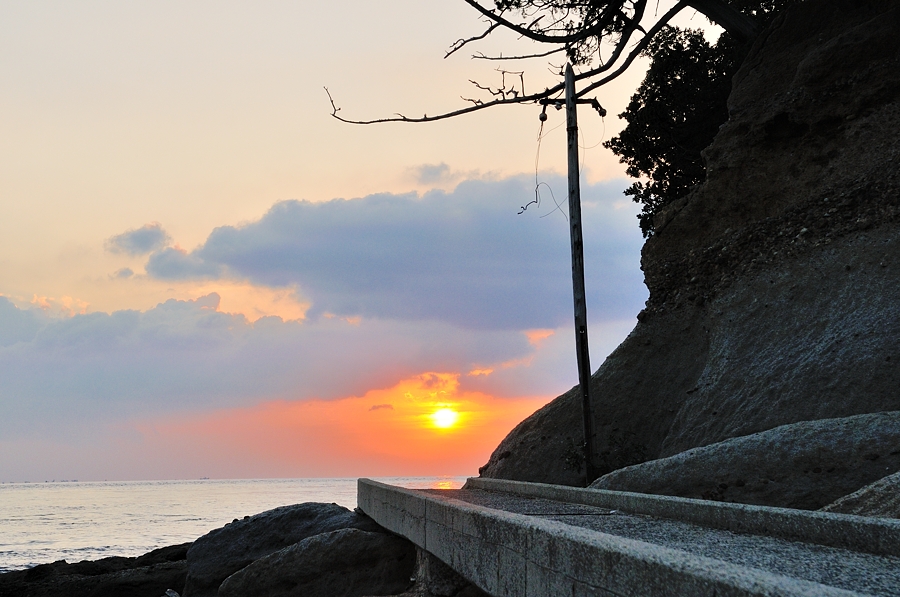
pixel 444 418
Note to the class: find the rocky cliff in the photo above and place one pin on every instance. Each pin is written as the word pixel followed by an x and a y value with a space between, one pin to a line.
pixel 775 285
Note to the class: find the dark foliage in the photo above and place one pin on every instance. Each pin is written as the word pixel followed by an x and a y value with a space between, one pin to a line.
pixel 677 111
pixel 673 116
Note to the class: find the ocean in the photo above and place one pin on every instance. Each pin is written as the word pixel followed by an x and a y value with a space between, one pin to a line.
pixel 72 521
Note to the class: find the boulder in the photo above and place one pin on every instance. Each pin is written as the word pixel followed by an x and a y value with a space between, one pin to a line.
pixel 221 552
pixel 343 563
pixel 775 285
pixel 149 575
pixel 146 581
pixel 881 498
pixel 802 465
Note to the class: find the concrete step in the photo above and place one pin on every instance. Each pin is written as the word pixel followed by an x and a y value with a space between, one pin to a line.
pixel 528 539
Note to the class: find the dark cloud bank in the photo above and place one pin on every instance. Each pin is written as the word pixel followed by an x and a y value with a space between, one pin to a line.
pixel 465 257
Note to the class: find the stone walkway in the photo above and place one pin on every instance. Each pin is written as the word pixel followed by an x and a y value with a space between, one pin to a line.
pixel 523 539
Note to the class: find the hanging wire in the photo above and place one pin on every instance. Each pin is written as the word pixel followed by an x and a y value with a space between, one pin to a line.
pixel 537 182
pixel 537 158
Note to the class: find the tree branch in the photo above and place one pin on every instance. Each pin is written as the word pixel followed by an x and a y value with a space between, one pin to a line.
pixel 640 47
pixel 727 17
pixel 458 45
pixel 525 99
pixel 482 56
pixel 533 35
pixel 614 66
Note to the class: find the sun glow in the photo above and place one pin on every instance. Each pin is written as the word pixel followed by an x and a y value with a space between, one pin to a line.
pixel 422 425
pixel 444 418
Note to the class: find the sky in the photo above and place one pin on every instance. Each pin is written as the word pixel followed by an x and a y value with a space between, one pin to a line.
pixel 204 274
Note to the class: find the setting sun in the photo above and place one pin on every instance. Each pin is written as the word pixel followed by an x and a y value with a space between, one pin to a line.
pixel 445 418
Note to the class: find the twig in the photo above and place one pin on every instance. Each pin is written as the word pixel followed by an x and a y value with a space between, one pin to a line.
pixel 483 56
pixel 458 45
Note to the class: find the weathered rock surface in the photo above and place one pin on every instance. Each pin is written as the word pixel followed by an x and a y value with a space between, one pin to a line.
pixel 775 286
pixel 222 552
pixel 344 563
pixel 881 498
pixel 801 465
pixel 149 575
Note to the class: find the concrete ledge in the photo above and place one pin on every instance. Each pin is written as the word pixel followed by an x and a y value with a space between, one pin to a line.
pixel 403 509
pixel 514 555
pixel 880 536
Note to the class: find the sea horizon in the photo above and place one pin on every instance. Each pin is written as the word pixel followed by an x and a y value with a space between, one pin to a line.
pixel 47 521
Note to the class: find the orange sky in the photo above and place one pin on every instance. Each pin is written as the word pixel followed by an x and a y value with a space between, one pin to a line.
pixel 198 120
pixel 385 432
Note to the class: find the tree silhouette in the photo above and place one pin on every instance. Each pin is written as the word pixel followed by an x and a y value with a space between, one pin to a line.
pixel 577 30
pixel 678 109
pixel 673 116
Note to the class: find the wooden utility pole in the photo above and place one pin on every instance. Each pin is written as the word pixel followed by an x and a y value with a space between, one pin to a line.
pixel 581 333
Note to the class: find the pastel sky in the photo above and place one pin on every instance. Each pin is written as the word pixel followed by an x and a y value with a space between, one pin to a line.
pixel 204 274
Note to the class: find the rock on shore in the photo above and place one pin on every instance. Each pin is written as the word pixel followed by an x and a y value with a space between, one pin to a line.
pixel 149 575
pixel 224 551
pixel 302 550
pixel 345 562
pixel 802 465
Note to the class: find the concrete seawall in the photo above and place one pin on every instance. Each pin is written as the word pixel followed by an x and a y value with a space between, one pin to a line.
pixel 524 539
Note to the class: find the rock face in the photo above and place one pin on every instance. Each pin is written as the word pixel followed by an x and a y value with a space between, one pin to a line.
pixel 222 552
pixel 801 465
pixel 149 575
pixel 775 286
pixel 344 563
pixel 881 498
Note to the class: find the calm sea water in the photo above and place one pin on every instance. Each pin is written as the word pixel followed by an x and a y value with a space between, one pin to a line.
pixel 45 522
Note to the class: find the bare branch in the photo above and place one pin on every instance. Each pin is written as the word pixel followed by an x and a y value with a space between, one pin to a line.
pixel 458 45
pixel 524 99
pixel 541 37
pixel 640 47
pixel 501 92
pixel 625 26
pixel 482 56
pixel 334 109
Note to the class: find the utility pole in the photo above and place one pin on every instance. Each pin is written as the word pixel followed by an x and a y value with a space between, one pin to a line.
pixel 581 333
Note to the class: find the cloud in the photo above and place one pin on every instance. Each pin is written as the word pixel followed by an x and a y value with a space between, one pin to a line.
pixel 346 437
pixel 124 273
pixel 64 306
pixel 177 264
pixel 140 241
pixel 430 173
pixel 187 355
pixel 17 325
pixel 464 257
pixel 452 282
